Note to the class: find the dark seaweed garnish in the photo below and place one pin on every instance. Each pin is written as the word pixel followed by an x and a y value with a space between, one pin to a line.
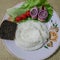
pixel 7 30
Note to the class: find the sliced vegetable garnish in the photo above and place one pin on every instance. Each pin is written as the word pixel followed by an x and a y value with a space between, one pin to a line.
pixel 22 16
pixel 28 5
pixel 14 12
pixel 18 19
pixel 28 13
pixel 34 12
pixel 43 14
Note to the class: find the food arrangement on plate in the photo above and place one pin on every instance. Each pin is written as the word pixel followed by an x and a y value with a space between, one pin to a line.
pixel 31 26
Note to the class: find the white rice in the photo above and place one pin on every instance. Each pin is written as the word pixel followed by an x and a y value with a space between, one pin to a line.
pixel 31 35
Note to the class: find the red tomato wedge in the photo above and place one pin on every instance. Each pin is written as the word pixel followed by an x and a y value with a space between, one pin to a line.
pixel 18 19
pixel 28 13
pixel 23 16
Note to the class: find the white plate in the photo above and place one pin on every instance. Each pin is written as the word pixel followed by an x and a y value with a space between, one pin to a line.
pixel 40 54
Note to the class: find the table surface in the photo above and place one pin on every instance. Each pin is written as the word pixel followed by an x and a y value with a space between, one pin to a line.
pixel 5 4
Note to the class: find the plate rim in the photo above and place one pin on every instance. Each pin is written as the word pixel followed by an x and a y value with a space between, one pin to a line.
pixel 13 53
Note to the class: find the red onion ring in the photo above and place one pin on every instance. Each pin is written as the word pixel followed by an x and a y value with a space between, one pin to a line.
pixel 34 12
pixel 42 14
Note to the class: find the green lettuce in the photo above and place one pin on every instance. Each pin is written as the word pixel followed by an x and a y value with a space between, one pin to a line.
pixel 27 5
pixel 31 3
pixel 13 12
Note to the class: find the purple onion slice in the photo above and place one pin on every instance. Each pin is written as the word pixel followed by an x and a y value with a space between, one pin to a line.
pixel 34 12
pixel 42 15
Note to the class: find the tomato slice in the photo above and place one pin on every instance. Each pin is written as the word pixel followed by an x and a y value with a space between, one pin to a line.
pixel 23 16
pixel 18 19
pixel 28 13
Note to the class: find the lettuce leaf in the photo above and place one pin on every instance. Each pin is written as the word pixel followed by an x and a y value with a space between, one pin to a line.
pixel 13 12
pixel 27 5
pixel 31 3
